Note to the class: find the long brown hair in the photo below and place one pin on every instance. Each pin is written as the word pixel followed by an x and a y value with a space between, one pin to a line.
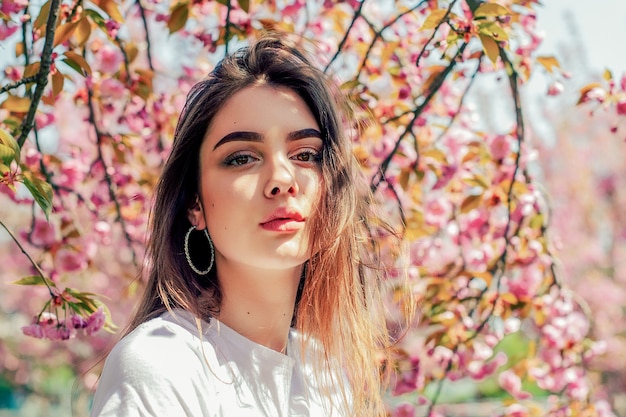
pixel 338 305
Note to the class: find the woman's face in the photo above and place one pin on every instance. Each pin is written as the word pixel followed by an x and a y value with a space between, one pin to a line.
pixel 260 179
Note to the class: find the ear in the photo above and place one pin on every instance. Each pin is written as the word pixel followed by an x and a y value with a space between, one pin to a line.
pixel 195 214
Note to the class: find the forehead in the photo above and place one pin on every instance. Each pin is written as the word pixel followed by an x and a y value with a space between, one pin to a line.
pixel 263 109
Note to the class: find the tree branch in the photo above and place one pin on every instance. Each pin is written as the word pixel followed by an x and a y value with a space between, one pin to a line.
pixel 462 100
pixel 227 24
pixel 432 36
pixel 107 177
pixel 32 262
pixel 17 83
pixel 357 13
pixel 379 33
pixel 432 90
pixel 142 12
pixel 42 75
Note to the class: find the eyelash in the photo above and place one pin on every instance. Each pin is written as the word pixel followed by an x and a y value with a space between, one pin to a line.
pixel 313 156
pixel 238 155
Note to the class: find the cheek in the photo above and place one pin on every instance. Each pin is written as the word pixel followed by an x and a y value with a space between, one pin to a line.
pixel 314 187
pixel 226 200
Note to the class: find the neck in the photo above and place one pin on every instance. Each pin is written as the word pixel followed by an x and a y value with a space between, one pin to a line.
pixel 258 304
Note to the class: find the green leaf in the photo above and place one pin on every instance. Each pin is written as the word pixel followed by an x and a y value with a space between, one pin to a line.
pixel 491 9
pixel 97 18
pixel 245 5
pixel 491 48
pixel 494 30
pixel 35 280
pixel 7 140
pixel 4 169
pixel 6 154
pixel 40 190
pixel 178 17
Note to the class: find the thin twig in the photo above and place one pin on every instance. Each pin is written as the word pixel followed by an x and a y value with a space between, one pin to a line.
pixel 432 36
pixel 461 101
pixel 357 13
pixel 379 33
pixel 142 12
pixel 519 129
pixel 17 83
pixel 432 90
pixel 42 75
pixel 227 26
pixel 32 262
pixel 25 38
pixel 107 177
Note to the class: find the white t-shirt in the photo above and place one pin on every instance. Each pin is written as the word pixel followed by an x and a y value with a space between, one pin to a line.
pixel 163 368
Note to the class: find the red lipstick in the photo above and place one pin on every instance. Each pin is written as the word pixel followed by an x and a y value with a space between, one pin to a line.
pixel 283 219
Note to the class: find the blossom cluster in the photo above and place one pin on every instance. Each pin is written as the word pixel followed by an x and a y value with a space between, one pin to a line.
pixel 48 326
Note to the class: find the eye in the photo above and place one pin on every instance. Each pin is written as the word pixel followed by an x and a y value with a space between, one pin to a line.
pixel 239 159
pixel 307 155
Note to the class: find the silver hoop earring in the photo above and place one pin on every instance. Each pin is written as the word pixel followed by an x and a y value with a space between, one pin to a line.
pixel 188 256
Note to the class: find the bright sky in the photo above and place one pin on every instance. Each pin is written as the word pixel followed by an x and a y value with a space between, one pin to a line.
pixel 592 31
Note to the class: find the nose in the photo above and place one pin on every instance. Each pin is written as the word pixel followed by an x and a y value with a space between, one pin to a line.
pixel 282 178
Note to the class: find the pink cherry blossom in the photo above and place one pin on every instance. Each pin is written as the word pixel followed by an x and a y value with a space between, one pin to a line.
pixel 70 260
pixel 555 88
pixel 109 59
pixel 7 30
pixel 78 322
pixel 95 321
pixel 437 210
pixel 112 88
pixel 621 107
pixel 44 234
pixel 512 383
pixel 34 330
pixel 404 410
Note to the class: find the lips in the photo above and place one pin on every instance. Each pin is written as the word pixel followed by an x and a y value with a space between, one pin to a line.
pixel 283 220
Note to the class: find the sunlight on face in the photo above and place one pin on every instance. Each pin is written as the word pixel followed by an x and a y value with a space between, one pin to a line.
pixel 260 178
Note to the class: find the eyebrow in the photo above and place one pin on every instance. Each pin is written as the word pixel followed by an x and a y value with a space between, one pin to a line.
pixel 257 137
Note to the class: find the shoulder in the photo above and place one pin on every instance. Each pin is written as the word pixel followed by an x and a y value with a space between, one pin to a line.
pixel 155 370
pixel 156 340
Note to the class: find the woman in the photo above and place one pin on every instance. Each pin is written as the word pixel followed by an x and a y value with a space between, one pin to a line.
pixel 257 303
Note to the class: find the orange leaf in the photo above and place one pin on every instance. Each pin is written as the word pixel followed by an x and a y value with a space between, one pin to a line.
pixel 110 7
pixel 78 60
pixel 43 16
pixel 16 104
pixel 57 83
pixel 433 19
pixel 586 89
pixel 178 17
pixel 548 62
pixel 471 202
pixel 491 9
pixel 83 31
pixel 509 298
pixel 31 69
pixel 64 32
pixel 491 48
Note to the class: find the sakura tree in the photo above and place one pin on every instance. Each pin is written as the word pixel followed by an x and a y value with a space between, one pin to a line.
pixel 88 103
